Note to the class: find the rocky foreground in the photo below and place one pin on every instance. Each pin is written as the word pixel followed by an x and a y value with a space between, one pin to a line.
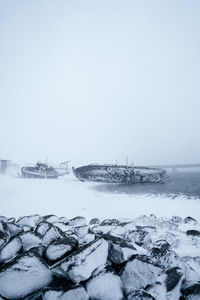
pixel 147 258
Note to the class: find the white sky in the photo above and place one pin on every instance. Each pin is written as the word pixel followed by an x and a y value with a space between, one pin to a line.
pixel 93 81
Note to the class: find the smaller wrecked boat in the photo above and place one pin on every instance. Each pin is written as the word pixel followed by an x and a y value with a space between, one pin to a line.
pixel 119 174
pixel 43 170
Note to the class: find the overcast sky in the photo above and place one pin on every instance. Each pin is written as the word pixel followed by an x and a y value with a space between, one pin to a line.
pixel 92 81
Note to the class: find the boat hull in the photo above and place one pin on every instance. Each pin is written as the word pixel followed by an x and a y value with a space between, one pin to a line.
pixel 119 174
pixel 32 172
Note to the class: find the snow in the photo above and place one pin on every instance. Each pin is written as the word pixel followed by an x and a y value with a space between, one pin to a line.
pixel 69 197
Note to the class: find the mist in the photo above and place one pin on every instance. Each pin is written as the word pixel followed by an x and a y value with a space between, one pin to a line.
pixel 96 81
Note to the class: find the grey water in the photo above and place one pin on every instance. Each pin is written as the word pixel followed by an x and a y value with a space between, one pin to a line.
pixel 179 183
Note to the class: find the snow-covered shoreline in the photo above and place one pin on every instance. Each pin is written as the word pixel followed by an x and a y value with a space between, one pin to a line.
pixel 67 196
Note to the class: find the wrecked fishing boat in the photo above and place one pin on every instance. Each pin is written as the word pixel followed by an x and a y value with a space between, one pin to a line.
pixel 119 174
pixel 43 170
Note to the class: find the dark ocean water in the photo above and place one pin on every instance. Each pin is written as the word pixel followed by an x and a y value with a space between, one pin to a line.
pixel 180 183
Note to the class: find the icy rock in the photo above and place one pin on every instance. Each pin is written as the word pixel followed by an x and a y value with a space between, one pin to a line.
pixel 30 240
pixel 29 221
pixel 3 238
pixel 56 250
pixel 173 282
pixel 140 272
pixel 80 265
pixel 94 221
pixel 34 296
pixel 149 229
pixel 157 291
pixel 62 226
pixel 139 237
pixel 191 292
pixel 193 233
pixel 2 218
pixel 42 228
pixel 141 295
pixel 77 293
pixel 160 248
pixel 110 222
pixel 78 221
pixel 11 220
pixel 120 250
pixel 25 275
pixel 81 231
pixel 52 234
pixel 190 220
pixel 87 239
pixel 105 286
pixel 51 219
pixel 4 230
pixel 14 229
pixel 64 220
pixel 10 250
pixel 101 229
pixel 191 268
pixel 176 219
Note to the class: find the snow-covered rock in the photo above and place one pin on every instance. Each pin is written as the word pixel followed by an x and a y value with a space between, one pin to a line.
pixel 10 250
pixel 140 272
pixel 56 250
pixel 105 286
pixel 42 228
pixel 30 240
pixel 94 221
pixel 80 265
pixel 77 293
pixel 51 219
pixel 14 229
pixel 52 234
pixel 120 250
pixel 77 221
pixel 24 276
pixel 29 221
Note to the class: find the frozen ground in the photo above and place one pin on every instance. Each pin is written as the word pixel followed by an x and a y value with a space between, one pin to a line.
pixel 69 197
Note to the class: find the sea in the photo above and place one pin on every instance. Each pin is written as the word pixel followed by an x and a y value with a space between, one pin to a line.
pixel 178 183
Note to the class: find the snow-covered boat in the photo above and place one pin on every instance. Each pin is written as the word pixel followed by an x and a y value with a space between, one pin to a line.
pixel 43 170
pixel 119 174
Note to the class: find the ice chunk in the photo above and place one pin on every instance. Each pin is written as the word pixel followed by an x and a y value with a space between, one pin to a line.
pixel 105 286
pixel 80 265
pixel 24 276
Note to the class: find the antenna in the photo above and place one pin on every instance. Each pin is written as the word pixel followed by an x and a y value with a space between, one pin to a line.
pixel 127 161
